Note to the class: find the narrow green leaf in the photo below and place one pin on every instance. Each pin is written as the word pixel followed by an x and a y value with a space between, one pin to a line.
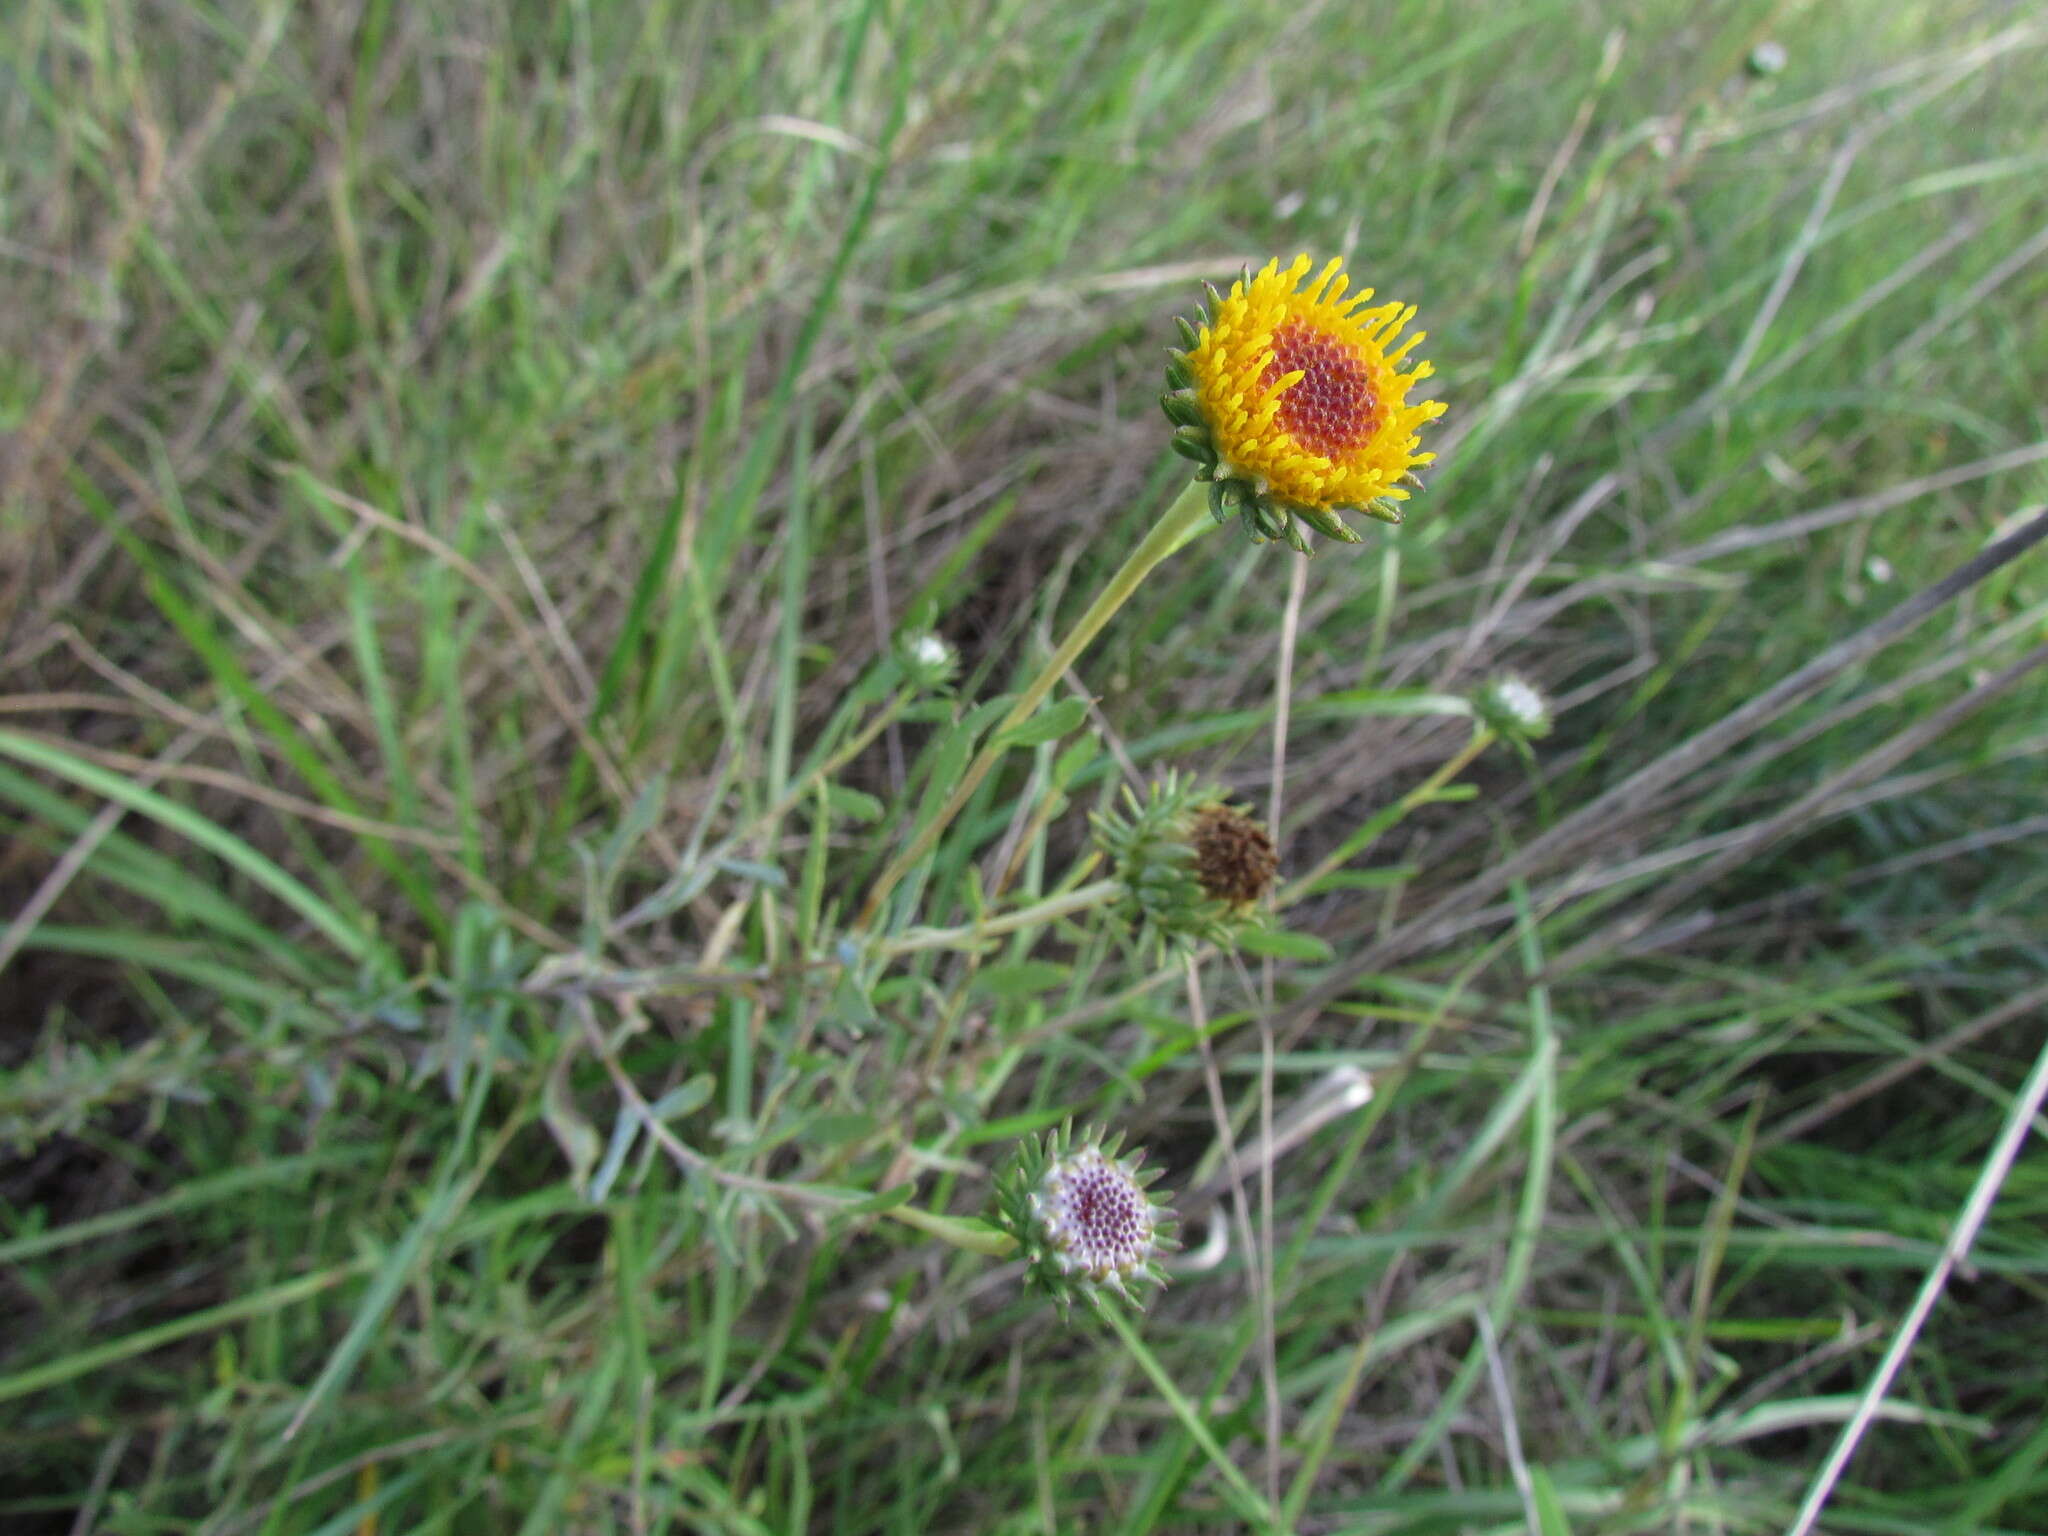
pixel 853 804
pixel 887 1200
pixel 86 1361
pixel 441 1209
pixel 1368 879
pixel 751 869
pixel 626 1128
pixel 200 1193
pixel 195 828
pixel 1022 978
pixel 686 1100
pixel 836 1130
pixel 1049 724
pixel 1549 1507
pixel 1073 760
pixel 1282 945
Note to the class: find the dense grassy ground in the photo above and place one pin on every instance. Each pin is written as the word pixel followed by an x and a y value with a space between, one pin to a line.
pixel 465 466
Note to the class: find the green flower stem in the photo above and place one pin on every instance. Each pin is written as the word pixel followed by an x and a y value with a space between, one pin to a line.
pixel 967 1232
pixel 1188 515
pixel 1254 1508
pixel 973 935
pixel 961 1232
pixel 1421 794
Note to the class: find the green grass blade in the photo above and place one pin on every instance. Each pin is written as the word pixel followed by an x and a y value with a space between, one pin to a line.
pixel 346 935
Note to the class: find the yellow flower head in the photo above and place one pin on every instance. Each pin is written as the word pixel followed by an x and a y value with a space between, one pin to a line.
pixel 1294 402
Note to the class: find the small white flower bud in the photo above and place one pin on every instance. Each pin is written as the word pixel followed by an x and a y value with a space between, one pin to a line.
pixel 1511 706
pixel 928 661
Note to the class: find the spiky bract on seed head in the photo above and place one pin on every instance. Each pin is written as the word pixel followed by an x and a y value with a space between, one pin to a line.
pixel 1193 866
pixel 1083 1218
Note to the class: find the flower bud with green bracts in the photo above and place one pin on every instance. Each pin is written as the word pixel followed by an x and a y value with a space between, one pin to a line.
pixel 1084 1219
pixel 1194 867
pixel 1512 708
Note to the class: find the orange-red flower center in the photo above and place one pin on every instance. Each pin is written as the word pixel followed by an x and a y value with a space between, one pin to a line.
pixel 1331 409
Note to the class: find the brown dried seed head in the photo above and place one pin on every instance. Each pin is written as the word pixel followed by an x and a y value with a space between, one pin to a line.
pixel 1234 857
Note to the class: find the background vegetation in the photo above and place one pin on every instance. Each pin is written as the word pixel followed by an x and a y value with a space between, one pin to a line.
pixel 465 465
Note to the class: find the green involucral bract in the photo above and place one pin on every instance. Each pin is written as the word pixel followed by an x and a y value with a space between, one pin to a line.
pixel 1085 1222
pixel 1193 867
